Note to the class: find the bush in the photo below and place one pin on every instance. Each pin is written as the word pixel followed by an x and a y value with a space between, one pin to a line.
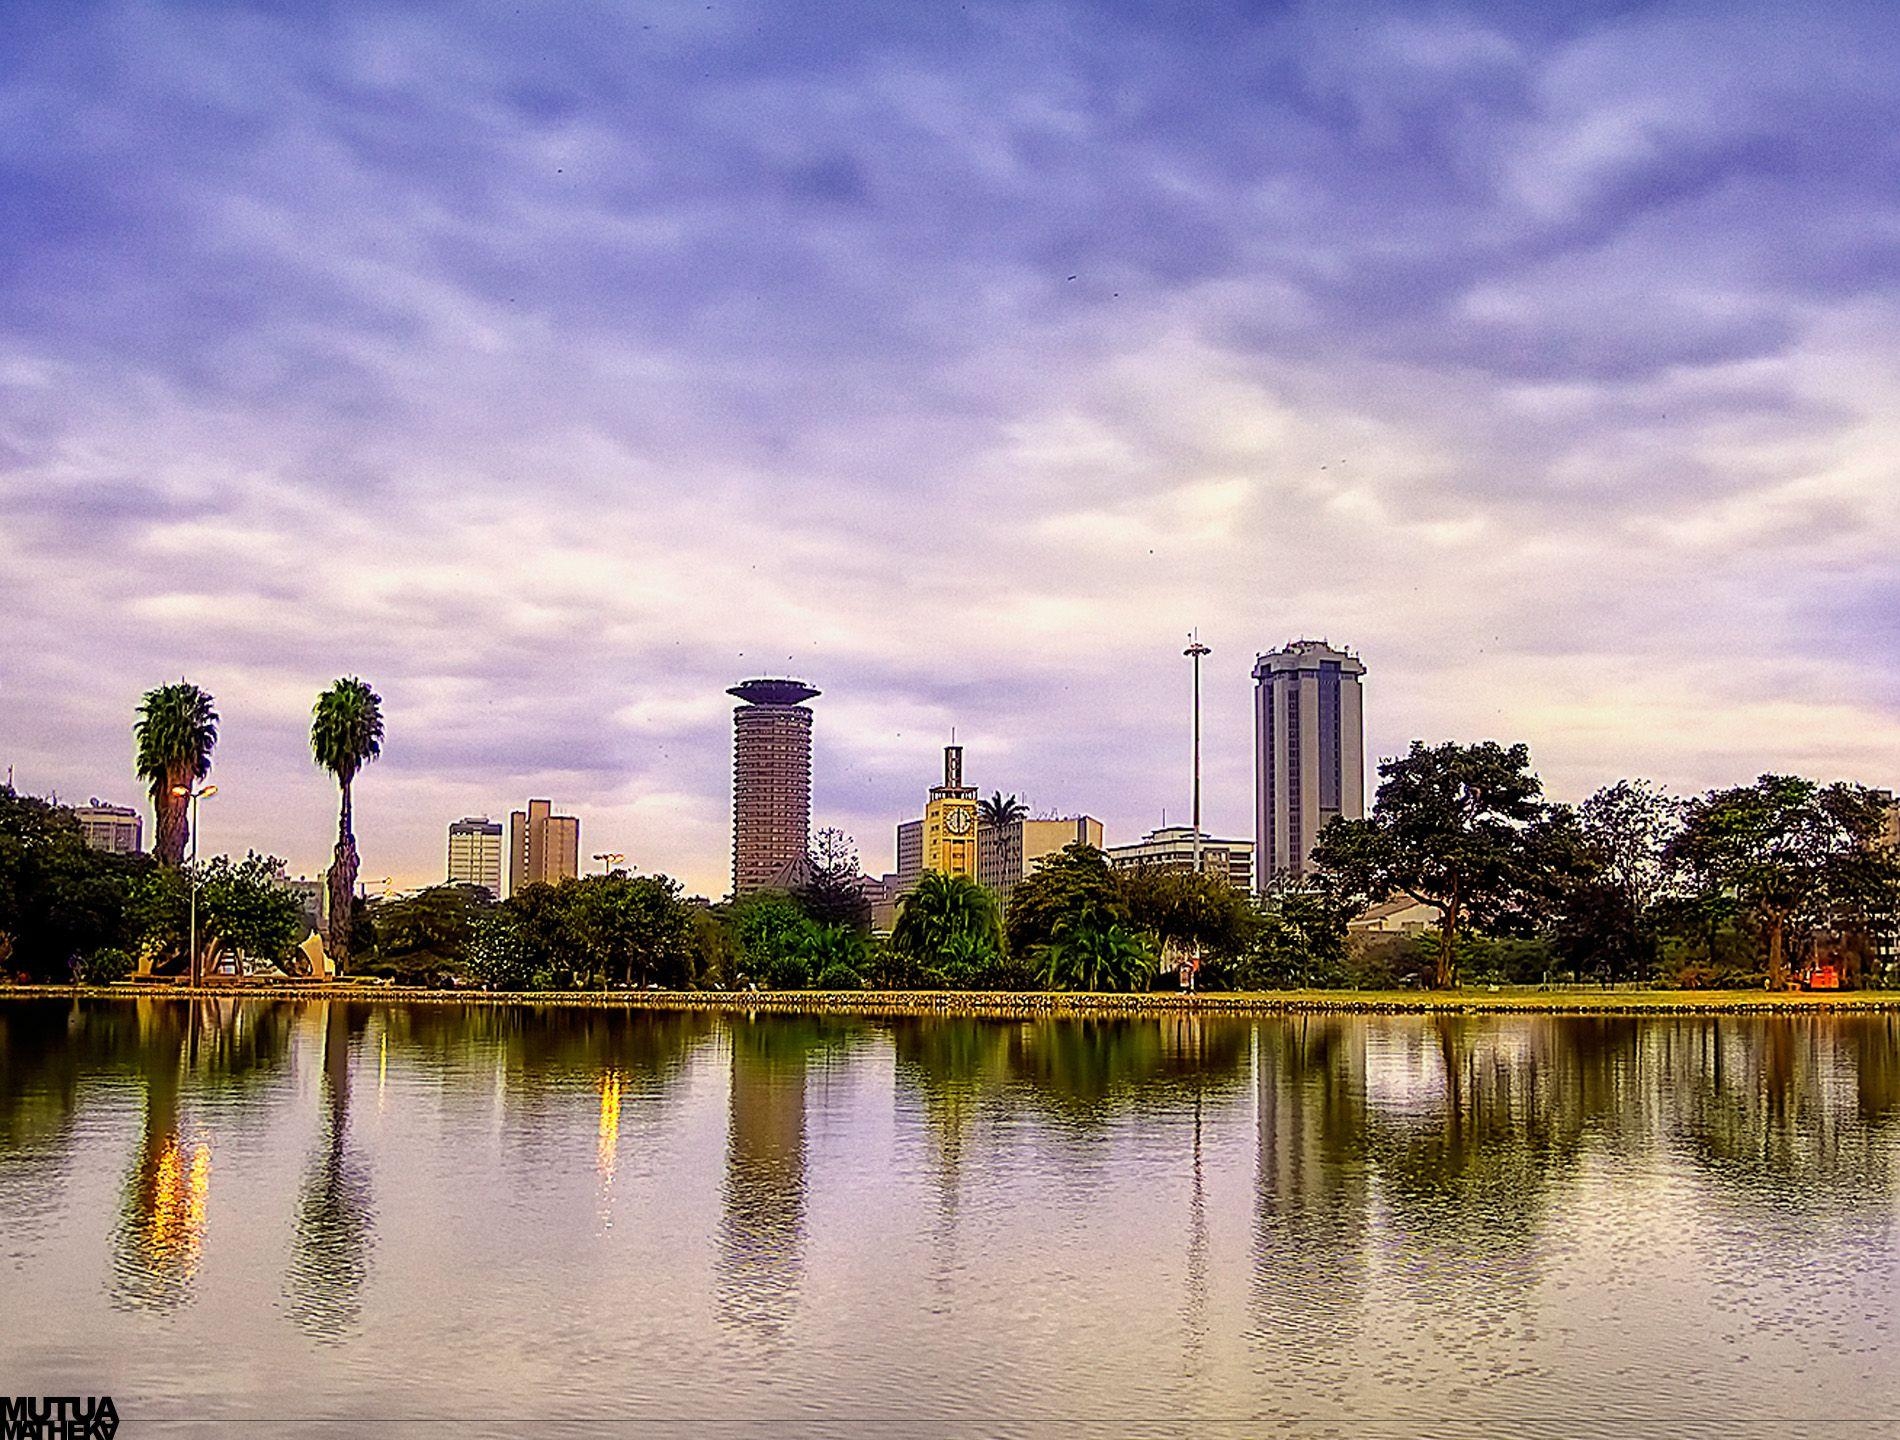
pixel 105 966
pixel 839 976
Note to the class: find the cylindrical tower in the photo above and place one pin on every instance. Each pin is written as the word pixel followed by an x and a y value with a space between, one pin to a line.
pixel 771 781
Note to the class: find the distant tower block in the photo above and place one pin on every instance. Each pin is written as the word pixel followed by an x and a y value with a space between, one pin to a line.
pixel 771 780
pixel 1309 753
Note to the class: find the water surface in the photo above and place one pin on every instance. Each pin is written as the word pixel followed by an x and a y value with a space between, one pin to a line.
pixel 338 1218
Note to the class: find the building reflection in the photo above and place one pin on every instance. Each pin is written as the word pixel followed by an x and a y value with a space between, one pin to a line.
pixel 760 1253
pixel 1311 1192
pixel 333 1233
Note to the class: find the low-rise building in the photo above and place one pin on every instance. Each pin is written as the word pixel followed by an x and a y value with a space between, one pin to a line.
pixel 1400 915
pixel 1172 848
pixel 116 829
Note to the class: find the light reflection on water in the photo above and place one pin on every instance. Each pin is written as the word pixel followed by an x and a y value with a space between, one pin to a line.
pixel 1582 1226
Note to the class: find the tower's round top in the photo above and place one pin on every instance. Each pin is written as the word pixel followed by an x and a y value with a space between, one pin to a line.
pixel 774 692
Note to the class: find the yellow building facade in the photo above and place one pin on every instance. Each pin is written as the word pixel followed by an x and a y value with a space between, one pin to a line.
pixel 950 820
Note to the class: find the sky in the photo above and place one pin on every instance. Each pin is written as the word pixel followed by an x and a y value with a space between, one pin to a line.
pixel 554 366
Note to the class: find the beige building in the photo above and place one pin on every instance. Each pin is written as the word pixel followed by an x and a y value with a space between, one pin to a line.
pixel 116 829
pixel 1006 854
pixel 475 853
pixel 543 848
pixel 1172 848
pixel 771 782
pixel 1309 752
pixel 1401 915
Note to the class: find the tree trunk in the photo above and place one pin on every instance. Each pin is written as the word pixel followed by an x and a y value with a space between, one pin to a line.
pixel 171 820
pixel 342 888
pixel 1444 974
pixel 1777 954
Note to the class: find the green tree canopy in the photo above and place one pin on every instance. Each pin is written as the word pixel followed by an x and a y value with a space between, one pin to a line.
pixel 947 915
pixel 1448 828
pixel 1789 853
pixel 1076 880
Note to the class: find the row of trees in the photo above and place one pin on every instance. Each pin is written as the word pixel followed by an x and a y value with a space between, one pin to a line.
pixel 1752 877
pixel 175 733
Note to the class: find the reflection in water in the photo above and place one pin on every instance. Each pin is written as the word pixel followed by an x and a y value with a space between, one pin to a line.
pixel 1321 1219
pixel 1312 1202
pixel 333 1236
pixel 761 1233
pixel 160 1236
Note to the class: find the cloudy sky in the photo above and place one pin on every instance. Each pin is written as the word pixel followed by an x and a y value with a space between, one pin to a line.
pixel 554 366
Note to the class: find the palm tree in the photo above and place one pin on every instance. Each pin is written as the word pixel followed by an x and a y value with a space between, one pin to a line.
pixel 998 810
pixel 175 733
pixel 1089 951
pixel 941 909
pixel 345 735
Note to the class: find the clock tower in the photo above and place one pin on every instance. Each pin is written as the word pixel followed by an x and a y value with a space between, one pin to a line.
pixel 950 820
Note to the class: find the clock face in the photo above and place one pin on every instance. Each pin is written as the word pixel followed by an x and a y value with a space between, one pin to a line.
pixel 957 822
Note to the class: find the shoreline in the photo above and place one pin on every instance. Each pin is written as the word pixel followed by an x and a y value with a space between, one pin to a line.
pixel 1036 1005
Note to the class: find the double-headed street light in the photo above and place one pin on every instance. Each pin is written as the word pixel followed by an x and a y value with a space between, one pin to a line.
pixel 608 860
pixel 194 793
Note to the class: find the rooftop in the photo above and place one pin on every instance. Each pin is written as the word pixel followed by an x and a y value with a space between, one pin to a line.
pixel 765 691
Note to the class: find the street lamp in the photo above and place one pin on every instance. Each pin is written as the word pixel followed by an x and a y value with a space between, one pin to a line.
pixel 608 859
pixel 1195 651
pixel 194 793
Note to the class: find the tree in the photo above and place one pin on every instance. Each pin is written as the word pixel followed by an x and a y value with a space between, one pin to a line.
pixel 346 733
pixel 60 900
pixel 834 895
pixel 499 954
pixel 425 939
pixel 1076 880
pixel 243 907
pixel 1091 950
pixel 768 927
pixel 1183 910
pixel 630 928
pixel 1448 828
pixel 175 733
pixel 1298 942
pixel 999 810
pixel 946 914
pixel 1790 853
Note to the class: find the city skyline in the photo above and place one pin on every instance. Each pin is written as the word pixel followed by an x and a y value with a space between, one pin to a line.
pixel 967 361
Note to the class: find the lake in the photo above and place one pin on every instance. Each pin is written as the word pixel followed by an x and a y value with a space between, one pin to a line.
pixel 340 1218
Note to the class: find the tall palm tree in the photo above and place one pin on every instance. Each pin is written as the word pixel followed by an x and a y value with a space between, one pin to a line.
pixel 939 910
pixel 175 732
pixel 345 735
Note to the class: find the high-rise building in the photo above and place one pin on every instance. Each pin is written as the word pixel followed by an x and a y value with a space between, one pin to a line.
pixel 1006 854
pixel 543 848
pixel 117 829
pixel 475 853
pixel 910 852
pixel 1309 752
pixel 950 820
pixel 771 781
pixel 1172 848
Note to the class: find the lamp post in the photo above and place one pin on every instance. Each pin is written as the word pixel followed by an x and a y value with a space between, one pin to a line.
pixel 1195 651
pixel 194 793
pixel 608 859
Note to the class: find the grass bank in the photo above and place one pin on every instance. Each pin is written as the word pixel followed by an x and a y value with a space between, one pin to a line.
pixel 1038 1004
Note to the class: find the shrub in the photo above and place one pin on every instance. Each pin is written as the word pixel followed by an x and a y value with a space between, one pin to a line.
pixel 105 965
pixel 839 976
